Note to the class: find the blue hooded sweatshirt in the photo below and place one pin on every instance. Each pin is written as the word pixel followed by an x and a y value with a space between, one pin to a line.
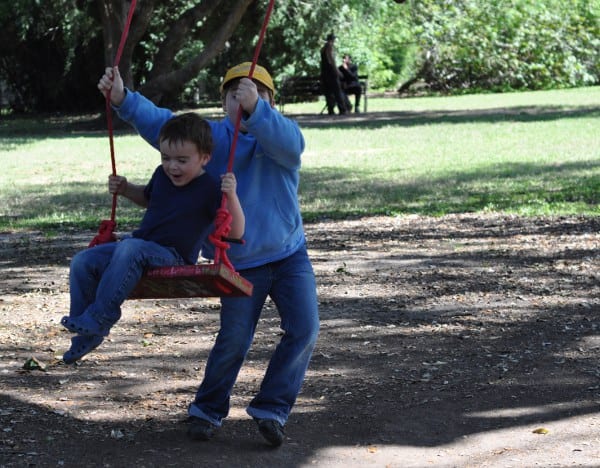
pixel 267 169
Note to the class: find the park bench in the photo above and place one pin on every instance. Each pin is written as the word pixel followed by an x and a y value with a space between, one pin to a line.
pixel 308 88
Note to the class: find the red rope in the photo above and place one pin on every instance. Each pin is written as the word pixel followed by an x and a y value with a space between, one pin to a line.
pixel 107 226
pixel 216 238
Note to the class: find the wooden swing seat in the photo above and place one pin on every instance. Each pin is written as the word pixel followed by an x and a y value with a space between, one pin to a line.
pixel 186 281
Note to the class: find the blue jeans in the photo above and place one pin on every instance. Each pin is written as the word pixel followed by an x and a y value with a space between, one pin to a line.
pixel 102 277
pixel 291 285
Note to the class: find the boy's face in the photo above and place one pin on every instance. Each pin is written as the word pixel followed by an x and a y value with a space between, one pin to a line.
pixel 181 161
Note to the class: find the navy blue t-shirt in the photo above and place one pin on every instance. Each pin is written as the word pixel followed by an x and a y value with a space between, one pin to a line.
pixel 179 217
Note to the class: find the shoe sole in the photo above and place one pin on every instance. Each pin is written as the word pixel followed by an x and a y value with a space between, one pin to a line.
pixel 81 350
pixel 274 439
pixel 200 432
pixel 199 436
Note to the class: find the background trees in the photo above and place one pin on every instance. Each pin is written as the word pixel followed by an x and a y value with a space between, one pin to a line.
pixel 506 44
pixel 53 51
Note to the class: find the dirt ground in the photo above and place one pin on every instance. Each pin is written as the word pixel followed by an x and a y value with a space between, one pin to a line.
pixel 461 341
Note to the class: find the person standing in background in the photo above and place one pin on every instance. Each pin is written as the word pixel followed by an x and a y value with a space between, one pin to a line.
pixel 330 78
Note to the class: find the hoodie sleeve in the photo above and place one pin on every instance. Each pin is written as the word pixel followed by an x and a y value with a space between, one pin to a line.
pixel 279 137
pixel 143 115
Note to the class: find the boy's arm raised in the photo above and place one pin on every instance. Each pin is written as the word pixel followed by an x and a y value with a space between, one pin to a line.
pixel 141 113
pixel 279 136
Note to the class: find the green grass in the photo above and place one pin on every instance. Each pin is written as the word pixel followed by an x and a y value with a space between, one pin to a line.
pixel 534 153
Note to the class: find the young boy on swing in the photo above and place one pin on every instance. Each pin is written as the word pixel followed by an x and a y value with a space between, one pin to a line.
pixel 181 201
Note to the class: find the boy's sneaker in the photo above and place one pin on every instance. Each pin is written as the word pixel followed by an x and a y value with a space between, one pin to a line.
pixel 200 429
pixel 84 324
pixel 271 430
pixel 80 346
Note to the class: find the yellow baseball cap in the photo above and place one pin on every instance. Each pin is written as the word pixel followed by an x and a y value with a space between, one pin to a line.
pixel 243 69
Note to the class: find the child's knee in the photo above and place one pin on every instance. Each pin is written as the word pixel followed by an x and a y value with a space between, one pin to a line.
pixel 80 261
pixel 128 250
pixel 312 331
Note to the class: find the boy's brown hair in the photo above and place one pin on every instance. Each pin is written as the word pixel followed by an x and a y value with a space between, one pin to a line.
pixel 188 127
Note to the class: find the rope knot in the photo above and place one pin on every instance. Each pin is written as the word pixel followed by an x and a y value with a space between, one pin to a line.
pixel 222 230
pixel 105 233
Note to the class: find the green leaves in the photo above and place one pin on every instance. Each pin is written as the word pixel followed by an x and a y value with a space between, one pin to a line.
pixel 507 45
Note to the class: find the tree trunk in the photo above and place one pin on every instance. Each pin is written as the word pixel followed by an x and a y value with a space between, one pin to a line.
pixel 180 31
pixel 219 17
pixel 113 15
pixel 167 81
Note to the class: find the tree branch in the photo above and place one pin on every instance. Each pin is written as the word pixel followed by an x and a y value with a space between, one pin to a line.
pixel 178 33
pixel 173 80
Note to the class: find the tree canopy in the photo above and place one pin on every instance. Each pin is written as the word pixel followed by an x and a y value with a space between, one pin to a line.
pixel 53 52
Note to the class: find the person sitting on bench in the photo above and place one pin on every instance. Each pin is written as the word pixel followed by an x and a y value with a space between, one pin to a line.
pixel 350 83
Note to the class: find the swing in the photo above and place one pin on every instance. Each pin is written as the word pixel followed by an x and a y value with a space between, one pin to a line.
pixel 186 281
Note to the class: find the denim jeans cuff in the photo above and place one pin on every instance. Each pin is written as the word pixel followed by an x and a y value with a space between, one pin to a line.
pixel 193 410
pixel 264 414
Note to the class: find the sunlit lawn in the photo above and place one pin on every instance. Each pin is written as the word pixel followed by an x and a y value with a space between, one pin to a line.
pixel 534 153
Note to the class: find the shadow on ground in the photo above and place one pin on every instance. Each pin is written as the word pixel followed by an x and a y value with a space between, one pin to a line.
pixel 434 331
pixel 379 119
